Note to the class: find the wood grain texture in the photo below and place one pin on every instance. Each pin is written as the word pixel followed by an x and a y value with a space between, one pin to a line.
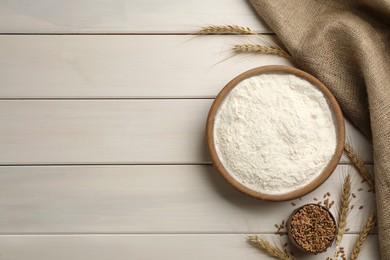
pixel 121 16
pixel 121 66
pixel 148 199
pixel 188 247
pixel 111 132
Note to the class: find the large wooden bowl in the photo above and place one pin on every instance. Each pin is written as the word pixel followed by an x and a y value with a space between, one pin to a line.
pixel 322 177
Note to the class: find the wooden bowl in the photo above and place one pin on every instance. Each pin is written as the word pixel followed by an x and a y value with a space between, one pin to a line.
pixel 294 242
pixel 322 177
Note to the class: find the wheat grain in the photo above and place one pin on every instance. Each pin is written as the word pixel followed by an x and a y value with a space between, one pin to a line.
pixel 226 29
pixel 260 49
pixel 357 247
pixel 269 249
pixel 343 212
pixel 359 165
pixel 305 230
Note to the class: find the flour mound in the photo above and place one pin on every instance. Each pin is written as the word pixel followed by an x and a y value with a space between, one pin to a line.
pixel 275 133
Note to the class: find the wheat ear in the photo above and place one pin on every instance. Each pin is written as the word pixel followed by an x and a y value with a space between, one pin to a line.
pixel 234 29
pixel 246 48
pixel 269 249
pixel 226 29
pixel 259 49
pixel 357 247
pixel 359 165
pixel 343 212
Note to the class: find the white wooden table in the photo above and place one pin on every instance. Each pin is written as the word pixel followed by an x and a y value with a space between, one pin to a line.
pixel 102 109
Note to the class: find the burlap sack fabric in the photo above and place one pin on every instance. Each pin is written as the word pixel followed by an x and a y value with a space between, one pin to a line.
pixel 346 44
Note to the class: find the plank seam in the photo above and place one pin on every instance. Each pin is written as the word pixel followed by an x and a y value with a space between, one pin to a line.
pixel 122 33
pixel 146 233
pixel 102 98
pixel 124 164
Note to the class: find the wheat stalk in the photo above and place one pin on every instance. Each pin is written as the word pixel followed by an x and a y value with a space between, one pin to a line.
pixel 357 247
pixel 343 212
pixel 269 249
pixel 359 165
pixel 226 29
pixel 259 49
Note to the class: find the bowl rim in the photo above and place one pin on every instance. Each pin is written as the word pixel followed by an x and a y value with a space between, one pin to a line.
pixel 339 124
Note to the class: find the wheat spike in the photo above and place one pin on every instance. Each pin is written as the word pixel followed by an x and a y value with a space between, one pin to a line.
pixel 343 212
pixel 269 249
pixel 226 29
pixel 234 29
pixel 259 49
pixel 273 48
pixel 357 247
pixel 359 165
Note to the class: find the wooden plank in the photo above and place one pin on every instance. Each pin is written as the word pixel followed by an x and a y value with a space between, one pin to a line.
pixel 120 16
pixel 187 247
pixel 148 199
pixel 110 132
pixel 100 66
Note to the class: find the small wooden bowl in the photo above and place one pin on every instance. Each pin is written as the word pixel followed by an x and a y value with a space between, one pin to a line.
pixel 294 242
pixel 321 178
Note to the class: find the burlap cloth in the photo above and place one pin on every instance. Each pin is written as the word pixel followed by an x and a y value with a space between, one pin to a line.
pixel 346 44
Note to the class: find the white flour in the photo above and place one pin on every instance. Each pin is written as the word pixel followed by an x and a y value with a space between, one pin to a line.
pixel 274 133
